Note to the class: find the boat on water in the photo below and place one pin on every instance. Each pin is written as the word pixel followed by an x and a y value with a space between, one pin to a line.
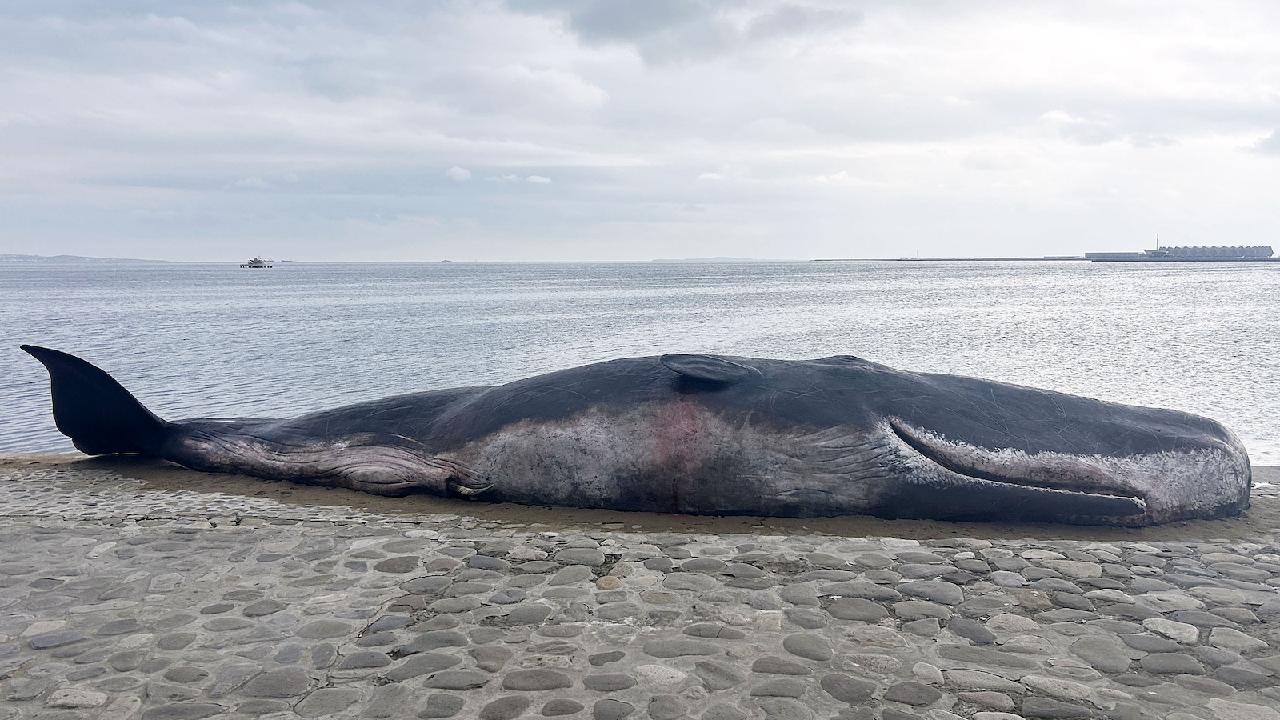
pixel 256 262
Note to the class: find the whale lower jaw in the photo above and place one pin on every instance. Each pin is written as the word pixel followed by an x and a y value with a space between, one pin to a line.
pixel 1081 489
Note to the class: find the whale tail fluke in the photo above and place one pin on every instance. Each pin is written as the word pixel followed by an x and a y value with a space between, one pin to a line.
pixel 95 411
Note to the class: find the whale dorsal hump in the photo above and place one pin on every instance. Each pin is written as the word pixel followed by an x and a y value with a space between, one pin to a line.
pixel 708 368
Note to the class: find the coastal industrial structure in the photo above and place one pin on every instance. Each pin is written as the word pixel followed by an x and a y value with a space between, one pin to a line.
pixel 1191 253
pixel 1162 253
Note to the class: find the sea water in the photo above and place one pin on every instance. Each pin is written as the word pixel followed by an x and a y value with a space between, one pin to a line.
pixel 210 340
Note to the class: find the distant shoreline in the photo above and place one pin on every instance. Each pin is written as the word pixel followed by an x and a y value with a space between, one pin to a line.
pixel 23 259
pixel 72 260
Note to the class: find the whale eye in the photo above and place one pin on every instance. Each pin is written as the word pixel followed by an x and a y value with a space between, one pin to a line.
pixel 708 368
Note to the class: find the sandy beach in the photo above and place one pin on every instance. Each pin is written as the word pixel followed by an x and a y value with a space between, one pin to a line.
pixel 138 589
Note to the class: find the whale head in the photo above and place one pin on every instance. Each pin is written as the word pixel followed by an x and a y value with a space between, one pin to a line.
pixel 950 447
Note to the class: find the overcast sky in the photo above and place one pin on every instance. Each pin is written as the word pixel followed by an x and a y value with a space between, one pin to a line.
pixel 628 130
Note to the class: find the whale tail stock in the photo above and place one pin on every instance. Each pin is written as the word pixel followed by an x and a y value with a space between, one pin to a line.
pixel 95 411
pixel 102 418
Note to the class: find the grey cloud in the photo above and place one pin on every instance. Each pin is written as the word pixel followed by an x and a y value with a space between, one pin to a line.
pixel 791 19
pixel 660 30
pixel 597 20
pixel 338 78
pixel 677 30
pixel 333 126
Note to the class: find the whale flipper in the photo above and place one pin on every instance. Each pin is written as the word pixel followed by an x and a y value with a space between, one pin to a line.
pixel 95 411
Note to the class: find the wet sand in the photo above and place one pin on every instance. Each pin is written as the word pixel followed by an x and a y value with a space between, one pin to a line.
pixel 1262 518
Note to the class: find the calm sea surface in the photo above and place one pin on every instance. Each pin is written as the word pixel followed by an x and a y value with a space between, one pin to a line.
pixel 215 340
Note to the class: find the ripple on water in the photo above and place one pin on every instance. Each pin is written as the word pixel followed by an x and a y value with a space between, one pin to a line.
pixel 209 340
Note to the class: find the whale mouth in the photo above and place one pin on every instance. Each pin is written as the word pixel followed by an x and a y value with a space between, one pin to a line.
pixel 1044 485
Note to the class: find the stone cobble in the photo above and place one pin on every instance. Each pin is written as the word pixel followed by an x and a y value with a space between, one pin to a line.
pixel 332 613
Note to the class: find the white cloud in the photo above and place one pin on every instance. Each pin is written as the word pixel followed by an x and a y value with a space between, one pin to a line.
pixel 1269 144
pixel 136 125
pixel 1086 131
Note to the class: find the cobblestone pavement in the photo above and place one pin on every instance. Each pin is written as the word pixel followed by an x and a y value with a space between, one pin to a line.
pixel 120 602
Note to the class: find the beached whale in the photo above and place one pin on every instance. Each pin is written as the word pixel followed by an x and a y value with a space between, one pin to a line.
pixel 716 435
